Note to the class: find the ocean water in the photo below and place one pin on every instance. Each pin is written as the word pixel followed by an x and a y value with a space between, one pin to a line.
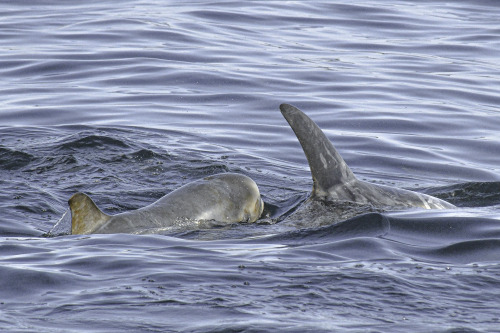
pixel 130 100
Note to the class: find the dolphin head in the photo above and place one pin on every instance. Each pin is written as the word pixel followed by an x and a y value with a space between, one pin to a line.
pixel 242 201
pixel 255 207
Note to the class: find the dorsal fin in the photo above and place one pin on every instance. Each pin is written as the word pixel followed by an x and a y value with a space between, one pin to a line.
pixel 85 215
pixel 328 168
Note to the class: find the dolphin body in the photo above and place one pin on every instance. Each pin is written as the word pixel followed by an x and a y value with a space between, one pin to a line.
pixel 335 183
pixel 225 198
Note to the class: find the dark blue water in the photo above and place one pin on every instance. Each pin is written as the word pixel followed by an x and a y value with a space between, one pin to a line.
pixel 128 101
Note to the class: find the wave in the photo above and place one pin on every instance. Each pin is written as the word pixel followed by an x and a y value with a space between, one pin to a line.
pixel 454 240
pixel 471 194
pixel 13 159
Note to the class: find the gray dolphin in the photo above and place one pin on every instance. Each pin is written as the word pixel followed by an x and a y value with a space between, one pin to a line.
pixel 334 181
pixel 226 198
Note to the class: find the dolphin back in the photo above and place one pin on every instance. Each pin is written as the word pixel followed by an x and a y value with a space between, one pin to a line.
pixel 224 198
pixel 328 168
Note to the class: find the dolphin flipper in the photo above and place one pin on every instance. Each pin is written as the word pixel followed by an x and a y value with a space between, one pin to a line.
pixel 85 215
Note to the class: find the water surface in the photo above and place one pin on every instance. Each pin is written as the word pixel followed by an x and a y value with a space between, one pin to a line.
pixel 129 101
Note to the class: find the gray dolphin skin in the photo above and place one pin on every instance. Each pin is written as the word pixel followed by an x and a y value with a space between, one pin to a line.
pixel 334 181
pixel 225 198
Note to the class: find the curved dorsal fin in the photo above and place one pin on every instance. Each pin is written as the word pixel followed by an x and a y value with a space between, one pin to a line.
pixel 328 168
pixel 85 215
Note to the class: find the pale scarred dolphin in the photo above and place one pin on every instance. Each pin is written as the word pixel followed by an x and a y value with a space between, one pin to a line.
pixel 334 181
pixel 224 198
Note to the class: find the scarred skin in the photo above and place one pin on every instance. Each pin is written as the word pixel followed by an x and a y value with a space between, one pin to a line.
pixel 333 180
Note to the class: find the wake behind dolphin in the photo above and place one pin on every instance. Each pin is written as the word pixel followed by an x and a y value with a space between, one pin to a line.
pixel 334 181
pixel 224 198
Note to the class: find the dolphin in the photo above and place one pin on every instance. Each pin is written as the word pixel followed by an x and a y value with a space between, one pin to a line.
pixel 225 198
pixel 333 180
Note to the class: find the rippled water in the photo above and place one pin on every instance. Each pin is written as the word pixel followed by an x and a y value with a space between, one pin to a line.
pixel 128 101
